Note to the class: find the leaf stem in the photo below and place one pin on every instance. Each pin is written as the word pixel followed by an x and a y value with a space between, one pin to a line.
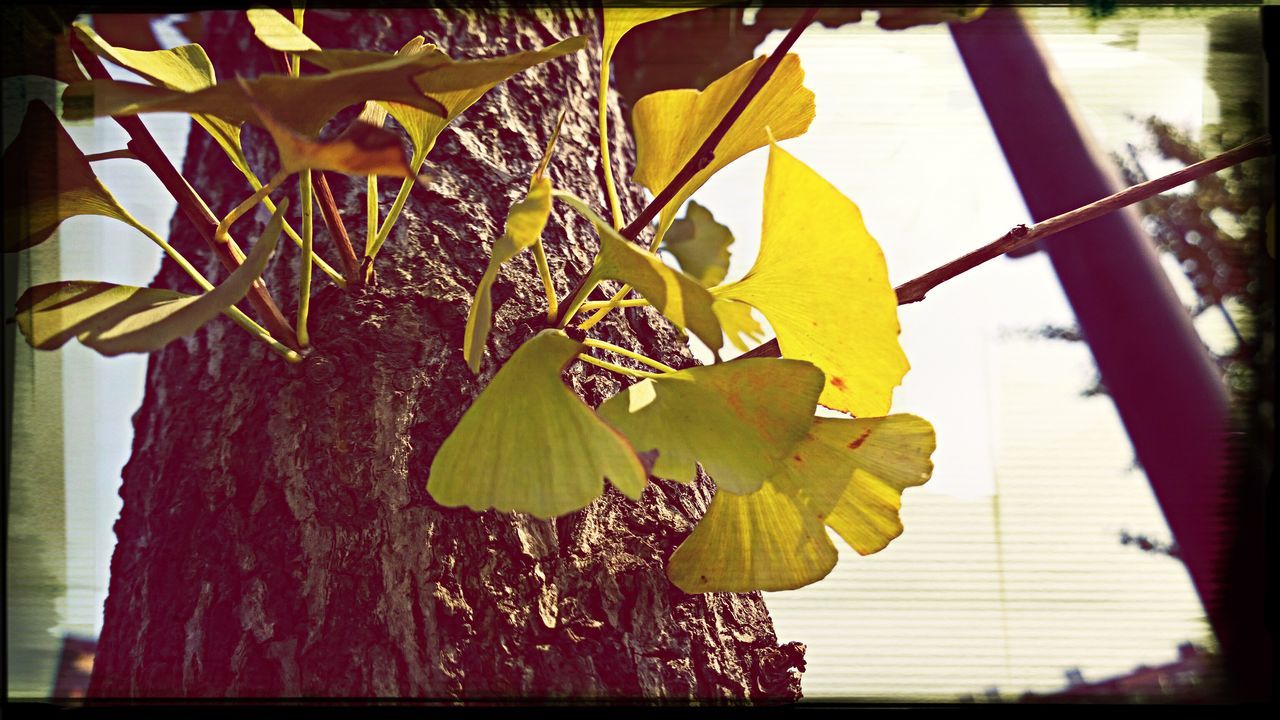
pixel 337 229
pixel 371 210
pixel 597 304
pixel 602 345
pixel 121 154
pixel 540 257
pixel 304 275
pixel 616 368
pixel 222 233
pixel 402 196
pixel 615 206
pixel 707 151
pixel 1021 236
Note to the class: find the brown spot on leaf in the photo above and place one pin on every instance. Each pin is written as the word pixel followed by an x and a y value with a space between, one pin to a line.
pixel 857 442
pixel 838 382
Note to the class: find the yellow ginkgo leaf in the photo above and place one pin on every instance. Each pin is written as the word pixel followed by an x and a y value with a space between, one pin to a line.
pixel 361 149
pixel 454 84
pixel 821 282
pixel 737 320
pixel 850 474
pixel 185 68
pixel 47 180
pixel 115 319
pixel 303 104
pixel 671 125
pixel 529 444
pixel 525 222
pixel 676 295
pixel 278 32
pixel 700 245
pixel 738 419
pixel 761 541
pixel 620 20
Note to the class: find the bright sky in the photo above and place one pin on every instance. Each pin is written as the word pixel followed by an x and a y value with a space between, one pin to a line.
pixel 945 610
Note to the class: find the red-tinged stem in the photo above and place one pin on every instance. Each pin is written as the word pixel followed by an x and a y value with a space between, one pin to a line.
pixel 1022 236
pixel 144 147
pixel 337 230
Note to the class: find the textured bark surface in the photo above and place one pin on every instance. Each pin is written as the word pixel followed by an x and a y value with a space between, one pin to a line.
pixel 277 538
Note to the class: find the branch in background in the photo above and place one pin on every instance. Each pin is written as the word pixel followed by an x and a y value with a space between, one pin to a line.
pixel 144 147
pixel 338 231
pixel 1021 236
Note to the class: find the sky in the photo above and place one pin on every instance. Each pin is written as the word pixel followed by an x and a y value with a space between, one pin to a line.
pixel 1010 570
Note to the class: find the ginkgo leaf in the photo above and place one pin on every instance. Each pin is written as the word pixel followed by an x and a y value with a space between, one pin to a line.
pixel 761 541
pixel 115 319
pixel 529 444
pixel 303 104
pixel 47 180
pixel 455 84
pixel 185 68
pixel 676 295
pixel 738 419
pixel 850 474
pixel 736 319
pixel 671 125
pixel 278 32
pixel 700 245
pixel 361 149
pixel 821 282
pixel 525 222
pixel 619 20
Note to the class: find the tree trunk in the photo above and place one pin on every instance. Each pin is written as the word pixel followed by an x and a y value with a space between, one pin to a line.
pixel 277 538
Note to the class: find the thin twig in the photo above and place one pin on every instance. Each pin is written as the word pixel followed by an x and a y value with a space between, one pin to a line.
pixel 706 153
pixel 144 147
pixel 333 221
pixel 121 154
pixel 1021 236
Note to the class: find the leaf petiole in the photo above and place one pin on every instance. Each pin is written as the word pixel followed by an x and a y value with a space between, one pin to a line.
pixel 304 275
pixel 121 154
pixel 610 347
pixel 616 368
pixel 597 304
pixel 223 232
pixel 540 257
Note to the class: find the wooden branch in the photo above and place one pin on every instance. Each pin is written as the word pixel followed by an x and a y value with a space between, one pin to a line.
pixel 915 290
pixel 337 230
pixel 143 146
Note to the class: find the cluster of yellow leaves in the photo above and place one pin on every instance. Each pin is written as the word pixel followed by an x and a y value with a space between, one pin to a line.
pixel 783 475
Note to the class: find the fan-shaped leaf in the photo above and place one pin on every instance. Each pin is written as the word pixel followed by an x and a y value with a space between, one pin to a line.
pixel 278 32
pixel 303 104
pixel 673 293
pixel 525 222
pixel 528 443
pixel 821 282
pixel 738 419
pixel 115 319
pixel 671 125
pixel 700 244
pixel 47 180
pixel 761 541
pixel 361 149
pixel 850 474
pixel 185 68
pixel 619 20
pixel 455 84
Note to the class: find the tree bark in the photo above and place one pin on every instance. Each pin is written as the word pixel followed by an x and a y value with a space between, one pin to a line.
pixel 277 538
